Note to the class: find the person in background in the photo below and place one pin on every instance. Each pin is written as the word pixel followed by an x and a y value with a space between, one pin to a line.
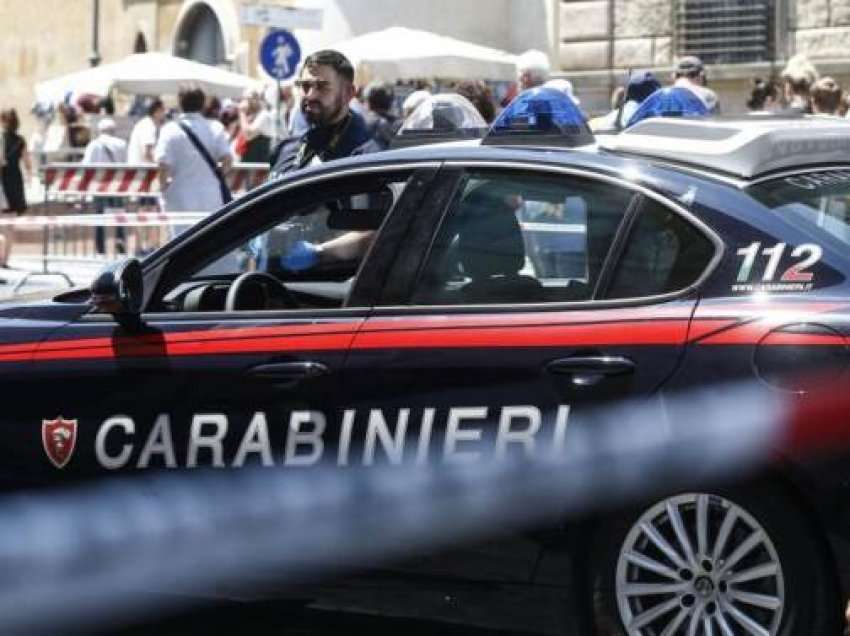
pixel 188 182
pixel 256 128
pixel 106 148
pixel 14 153
pixel 212 109
pixel 641 85
pixel 229 118
pixel 690 73
pixel 413 101
pixel 764 96
pixel 380 120
pixel 826 97
pixel 533 69
pixel 477 92
pixel 564 86
pixel 145 132
pixel 798 78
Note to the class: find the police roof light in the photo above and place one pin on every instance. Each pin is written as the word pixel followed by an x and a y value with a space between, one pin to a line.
pixel 439 118
pixel 541 116
pixel 673 101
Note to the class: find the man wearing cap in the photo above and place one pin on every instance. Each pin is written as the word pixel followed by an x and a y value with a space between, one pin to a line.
pixel 641 85
pixel 690 74
pixel 106 148
pixel 327 86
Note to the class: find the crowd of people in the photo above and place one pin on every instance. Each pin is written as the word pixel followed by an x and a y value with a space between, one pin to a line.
pixel 801 89
pixel 323 116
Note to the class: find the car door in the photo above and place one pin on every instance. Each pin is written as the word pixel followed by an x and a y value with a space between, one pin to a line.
pixel 543 292
pixel 213 381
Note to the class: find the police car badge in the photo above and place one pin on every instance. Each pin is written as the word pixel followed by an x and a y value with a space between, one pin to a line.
pixel 59 438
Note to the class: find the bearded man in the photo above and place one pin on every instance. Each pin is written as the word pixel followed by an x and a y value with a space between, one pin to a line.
pixel 326 83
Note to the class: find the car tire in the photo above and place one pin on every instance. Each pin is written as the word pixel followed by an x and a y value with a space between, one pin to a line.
pixel 758 559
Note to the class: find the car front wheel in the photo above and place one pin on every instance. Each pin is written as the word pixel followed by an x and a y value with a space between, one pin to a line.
pixel 703 564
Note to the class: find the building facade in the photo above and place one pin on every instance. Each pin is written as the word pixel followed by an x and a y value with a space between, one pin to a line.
pixel 592 42
pixel 738 39
pixel 210 31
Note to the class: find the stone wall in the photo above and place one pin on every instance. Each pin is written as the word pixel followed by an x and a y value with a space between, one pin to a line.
pixel 641 34
pixel 821 28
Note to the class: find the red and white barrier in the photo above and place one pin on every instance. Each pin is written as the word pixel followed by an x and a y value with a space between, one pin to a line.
pixel 120 180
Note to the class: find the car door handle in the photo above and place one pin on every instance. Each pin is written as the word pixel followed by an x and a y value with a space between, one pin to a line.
pixel 590 370
pixel 289 373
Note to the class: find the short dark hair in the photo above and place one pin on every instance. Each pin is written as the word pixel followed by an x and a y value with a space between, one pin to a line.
pixel 477 92
pixel 192 100
pixel 380 97
pixel 154 106
pixel 762 91
pixel 334 59
pixel 10 116
pixel 826 95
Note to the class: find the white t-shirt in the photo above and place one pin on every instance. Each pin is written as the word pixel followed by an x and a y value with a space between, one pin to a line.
pixel 263 123
pixel 106 149
pixel 144 134
pixel 194 187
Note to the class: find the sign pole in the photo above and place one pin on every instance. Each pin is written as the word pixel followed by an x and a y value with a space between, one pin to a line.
pixel 277 128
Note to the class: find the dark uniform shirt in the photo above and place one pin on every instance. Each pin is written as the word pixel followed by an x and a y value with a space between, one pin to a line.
pixel 347 138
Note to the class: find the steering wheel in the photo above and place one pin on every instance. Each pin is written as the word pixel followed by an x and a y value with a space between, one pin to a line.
pixel 266 282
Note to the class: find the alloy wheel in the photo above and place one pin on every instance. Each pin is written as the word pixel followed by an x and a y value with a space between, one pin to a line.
pixel 699 565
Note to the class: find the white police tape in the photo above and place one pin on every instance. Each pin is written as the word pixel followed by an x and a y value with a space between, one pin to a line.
pixel 83 557
pixel 136 219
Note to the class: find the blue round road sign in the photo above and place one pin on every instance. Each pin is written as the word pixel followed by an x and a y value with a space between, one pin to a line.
pixel 280 54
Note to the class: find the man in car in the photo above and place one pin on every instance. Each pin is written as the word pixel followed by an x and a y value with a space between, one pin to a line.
pixel 327 86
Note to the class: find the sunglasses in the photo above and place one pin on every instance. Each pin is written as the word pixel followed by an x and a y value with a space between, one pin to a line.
pixel 306 86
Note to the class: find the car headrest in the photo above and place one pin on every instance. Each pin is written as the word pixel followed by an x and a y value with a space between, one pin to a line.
pixel 490 239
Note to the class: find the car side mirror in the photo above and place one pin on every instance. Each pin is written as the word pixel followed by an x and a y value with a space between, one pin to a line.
pixel 118 290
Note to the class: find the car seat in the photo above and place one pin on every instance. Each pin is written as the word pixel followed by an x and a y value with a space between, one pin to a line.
pixel 492 252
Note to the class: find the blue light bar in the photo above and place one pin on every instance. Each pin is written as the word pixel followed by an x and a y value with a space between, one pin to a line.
pixel 540 116
pixel 674 101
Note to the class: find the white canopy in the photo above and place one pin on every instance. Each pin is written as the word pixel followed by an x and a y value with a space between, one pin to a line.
pixel 146 74
pixel 401 53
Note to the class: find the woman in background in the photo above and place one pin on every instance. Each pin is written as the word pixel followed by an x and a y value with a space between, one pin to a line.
pixel 14 152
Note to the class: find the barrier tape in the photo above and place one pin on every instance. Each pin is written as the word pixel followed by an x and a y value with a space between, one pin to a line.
pixel 81 557
pixel 124 180
pixel 130 219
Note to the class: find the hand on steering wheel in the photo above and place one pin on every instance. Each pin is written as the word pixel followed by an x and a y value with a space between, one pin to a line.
pixel 235 295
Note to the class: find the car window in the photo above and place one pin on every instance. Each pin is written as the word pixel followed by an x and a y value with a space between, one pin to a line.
pixel 522 238
pixel 663 254
pixel 817 202
pixel 308 258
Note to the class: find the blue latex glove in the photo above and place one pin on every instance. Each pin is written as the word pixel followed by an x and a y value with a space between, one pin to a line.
pixel 303 255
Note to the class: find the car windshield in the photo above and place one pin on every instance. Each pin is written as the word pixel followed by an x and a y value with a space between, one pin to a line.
pixel 816 202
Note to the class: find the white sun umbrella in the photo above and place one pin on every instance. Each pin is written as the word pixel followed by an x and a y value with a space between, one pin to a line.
pixel 146 74
pixel 401 53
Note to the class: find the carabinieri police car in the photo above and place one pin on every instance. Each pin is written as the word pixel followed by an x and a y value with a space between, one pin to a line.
pixel 444 302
